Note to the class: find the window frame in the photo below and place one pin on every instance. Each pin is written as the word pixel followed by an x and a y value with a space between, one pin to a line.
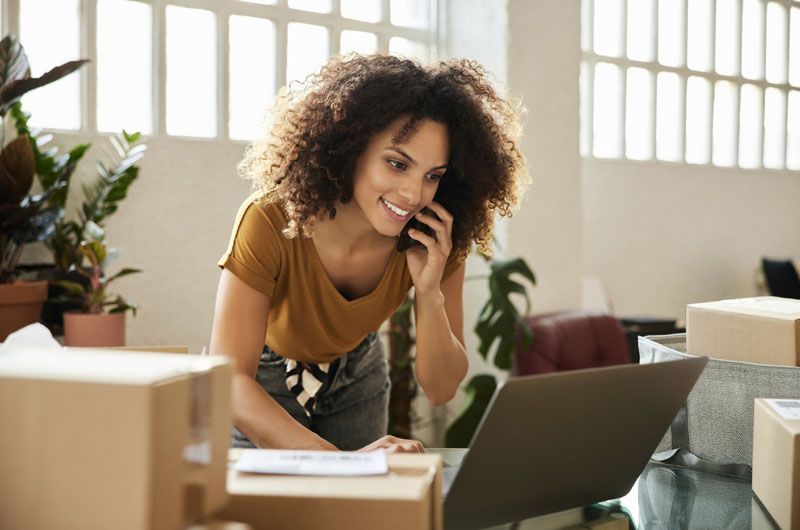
pixel 589 59
pixel 280 14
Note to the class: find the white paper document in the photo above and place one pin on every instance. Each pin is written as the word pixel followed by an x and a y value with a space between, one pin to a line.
pixel 328 463
pixel 788 408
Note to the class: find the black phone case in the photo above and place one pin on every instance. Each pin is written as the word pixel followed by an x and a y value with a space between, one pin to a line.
pixel 405 242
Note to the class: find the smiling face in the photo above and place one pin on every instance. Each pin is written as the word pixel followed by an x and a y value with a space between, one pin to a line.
pixel 394 181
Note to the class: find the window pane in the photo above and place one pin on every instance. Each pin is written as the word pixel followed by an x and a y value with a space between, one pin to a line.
pixel 124 72
pixel 669 117
pixel 50 41
pixel 316 6
pixel 366 10
pixel 774 128
pixel 251 89
pixel 358 41
pixel 670 32
pixel 191 72
pixel 727 47
pixel 266 2
pixel 607 111
pixel 794 47
pixel 698 120
pixel 586 26
pixel 307 50
pixel 725 107
pixel 586 94
pixel 608 27
pixel 700 18
pixel 409 48
pixel 776 43
pixel 750 127
pixel 640 30
pixel 793 132
pixel 639 114
pixel 753 39
pixel 411 13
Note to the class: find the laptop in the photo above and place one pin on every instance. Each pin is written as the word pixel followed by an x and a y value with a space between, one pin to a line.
pixel 557 441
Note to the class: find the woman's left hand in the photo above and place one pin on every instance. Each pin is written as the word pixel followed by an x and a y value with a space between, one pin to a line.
pixel 426 263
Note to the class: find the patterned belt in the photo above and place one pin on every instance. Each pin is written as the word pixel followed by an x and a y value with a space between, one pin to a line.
pixel 304 381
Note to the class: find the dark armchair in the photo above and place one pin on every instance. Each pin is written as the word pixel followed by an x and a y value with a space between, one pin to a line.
pixel 571 341
pixel 781 277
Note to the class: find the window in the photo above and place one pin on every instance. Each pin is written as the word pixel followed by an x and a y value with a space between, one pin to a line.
pixel 198 68
pixel 700 81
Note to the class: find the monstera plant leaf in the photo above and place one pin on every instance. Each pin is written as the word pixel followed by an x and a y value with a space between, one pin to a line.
pixel 499 321
pixel 479 391
pixel 15 73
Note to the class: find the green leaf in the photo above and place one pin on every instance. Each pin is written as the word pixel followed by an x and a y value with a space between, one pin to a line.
pixel 479 392
pixel 131 138
pixel 72 288
pixel 517 265
pixel 505 350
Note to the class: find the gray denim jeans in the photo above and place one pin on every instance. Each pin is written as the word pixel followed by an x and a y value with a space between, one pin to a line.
pixel 352 405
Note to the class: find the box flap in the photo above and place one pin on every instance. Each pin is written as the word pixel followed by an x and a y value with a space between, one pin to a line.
pixel 763 306
pixel 101 366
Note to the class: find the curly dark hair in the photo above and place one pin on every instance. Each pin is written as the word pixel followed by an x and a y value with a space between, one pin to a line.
pixel 308 157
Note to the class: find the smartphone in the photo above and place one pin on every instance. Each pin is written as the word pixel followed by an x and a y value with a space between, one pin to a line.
pixel 405 242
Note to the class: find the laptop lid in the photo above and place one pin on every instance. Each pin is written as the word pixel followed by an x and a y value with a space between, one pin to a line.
pixel 557 441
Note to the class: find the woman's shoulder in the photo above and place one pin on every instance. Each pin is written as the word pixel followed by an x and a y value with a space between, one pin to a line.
pixel 260 210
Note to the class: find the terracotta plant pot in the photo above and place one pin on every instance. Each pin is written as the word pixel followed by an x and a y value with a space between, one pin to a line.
pixel 20 305
pixel 94 330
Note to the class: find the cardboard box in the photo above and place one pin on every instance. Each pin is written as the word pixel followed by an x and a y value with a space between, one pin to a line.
pixel 408 497
pixel 764 330
pixel 99 439
pixel 776 459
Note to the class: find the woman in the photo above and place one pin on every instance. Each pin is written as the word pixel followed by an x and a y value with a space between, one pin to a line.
pixel 316 263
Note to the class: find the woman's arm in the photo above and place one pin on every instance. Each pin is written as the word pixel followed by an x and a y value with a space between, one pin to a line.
pixel 240 325
pixel 441 359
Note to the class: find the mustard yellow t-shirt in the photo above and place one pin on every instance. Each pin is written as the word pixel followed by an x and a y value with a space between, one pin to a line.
pixel 309 320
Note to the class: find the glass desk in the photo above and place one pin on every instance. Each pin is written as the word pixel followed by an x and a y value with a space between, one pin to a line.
pixel 677 498
pixel 669 498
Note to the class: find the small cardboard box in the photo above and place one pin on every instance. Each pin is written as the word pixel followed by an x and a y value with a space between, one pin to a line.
pixel 408 497
pixel 100 439
pixel 764 330
pixel 776 459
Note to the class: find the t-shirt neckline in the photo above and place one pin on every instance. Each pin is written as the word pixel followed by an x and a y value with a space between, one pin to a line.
pixel 327 279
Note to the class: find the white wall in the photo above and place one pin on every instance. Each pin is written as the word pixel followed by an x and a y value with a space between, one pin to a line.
pixel 543 66
pixel 665 235
pixel 174 225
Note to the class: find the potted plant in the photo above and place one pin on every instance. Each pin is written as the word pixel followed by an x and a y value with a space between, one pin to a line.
pixel 101 198
pixel 25 217
pixel 101 318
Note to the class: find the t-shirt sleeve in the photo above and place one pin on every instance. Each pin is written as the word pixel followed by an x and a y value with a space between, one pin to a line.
pixel 254 251
pixel 453 262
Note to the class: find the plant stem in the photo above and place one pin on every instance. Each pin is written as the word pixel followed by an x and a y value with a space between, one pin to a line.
pixel 401 371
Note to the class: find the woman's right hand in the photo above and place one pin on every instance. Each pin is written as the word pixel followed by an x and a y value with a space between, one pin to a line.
pixel 393 444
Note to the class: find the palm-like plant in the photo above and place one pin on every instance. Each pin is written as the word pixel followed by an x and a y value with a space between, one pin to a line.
pixel 116 173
